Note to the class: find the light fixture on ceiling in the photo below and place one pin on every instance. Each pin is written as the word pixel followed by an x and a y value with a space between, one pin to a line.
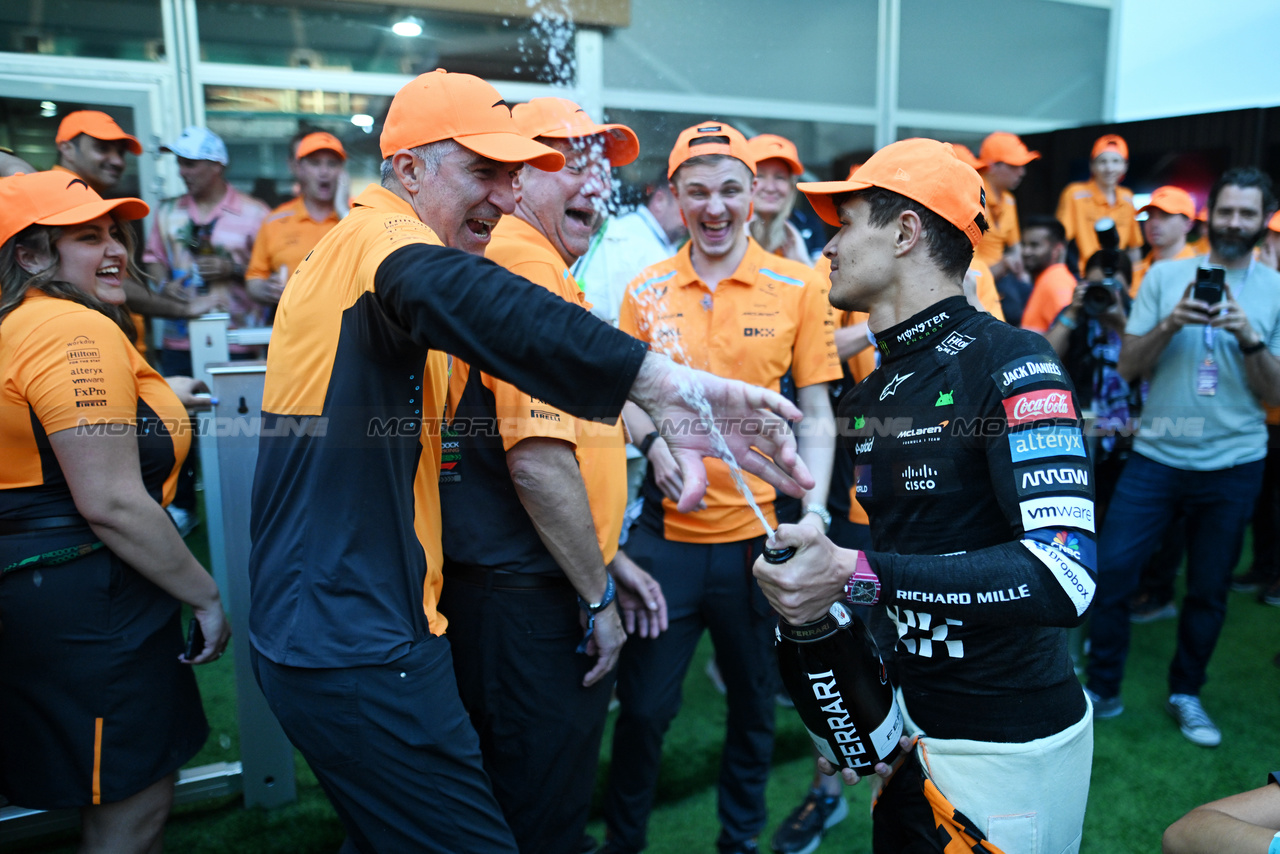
pixel 363 121
pixel 48 109
pixel 409 27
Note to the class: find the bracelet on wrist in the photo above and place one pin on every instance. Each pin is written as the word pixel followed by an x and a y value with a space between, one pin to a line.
pixel 1068 322
pixel 1256 347
pixel 591 609
pixel 822 513
pixel 647 442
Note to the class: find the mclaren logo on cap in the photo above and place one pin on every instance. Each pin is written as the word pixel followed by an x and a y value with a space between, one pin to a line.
pixel 75 181
pixel 710 129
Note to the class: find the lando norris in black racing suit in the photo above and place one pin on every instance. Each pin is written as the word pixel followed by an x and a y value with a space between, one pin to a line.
pixel 971 463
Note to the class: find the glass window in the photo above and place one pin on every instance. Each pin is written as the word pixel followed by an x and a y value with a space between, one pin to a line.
pixel 29 125
pixel 110 29
pixel 359 37
pixel 1030 58
pixel 821 50
pixel 259 125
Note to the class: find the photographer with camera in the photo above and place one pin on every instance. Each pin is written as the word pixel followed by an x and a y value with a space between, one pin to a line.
pixel 1087 335
pixel 1208 342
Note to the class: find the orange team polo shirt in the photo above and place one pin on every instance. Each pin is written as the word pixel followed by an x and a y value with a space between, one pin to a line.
pixel 1140 269
pixel 300 363
pixel 1002 217
pixel 286 236
pixel 771 315
pixel 600 448
pixel 65 365
pixel 1084 203
pixel 987 293
pixel 1053 290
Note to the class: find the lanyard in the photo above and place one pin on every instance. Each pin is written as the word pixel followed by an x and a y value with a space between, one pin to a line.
pixel 1209 331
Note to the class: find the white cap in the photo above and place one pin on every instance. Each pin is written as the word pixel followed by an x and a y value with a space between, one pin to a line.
pixel 197 143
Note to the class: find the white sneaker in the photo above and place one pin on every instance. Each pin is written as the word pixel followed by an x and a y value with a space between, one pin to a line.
pixel 1193 720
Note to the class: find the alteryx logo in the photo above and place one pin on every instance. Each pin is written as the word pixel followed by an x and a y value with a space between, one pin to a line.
pixel 1051 440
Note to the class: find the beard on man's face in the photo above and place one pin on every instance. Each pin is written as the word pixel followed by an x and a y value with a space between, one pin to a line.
pixel 1232 244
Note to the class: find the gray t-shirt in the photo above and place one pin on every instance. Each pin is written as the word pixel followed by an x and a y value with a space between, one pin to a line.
pixel 1181 427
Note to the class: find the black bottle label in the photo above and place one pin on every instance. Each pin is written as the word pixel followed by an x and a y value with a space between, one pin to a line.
pixel 833 672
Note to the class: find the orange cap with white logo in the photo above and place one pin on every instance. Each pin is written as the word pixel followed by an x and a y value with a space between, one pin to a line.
pixel 1171 200
pixel 560 118
pixel 56 198
pixel 709 137
pixel 442 105
pixel 770 146
pixel 97 125
pixel 923 170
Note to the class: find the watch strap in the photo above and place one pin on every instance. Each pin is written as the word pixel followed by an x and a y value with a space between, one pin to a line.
pixel 647 442
pixel 863 586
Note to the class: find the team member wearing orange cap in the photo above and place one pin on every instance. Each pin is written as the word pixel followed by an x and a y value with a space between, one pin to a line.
pixel 93 146
pixel 346 636
pixel 293 229
pixel 556 488
pixel 984 677
pixel 722 304
pixel 1171 213
pixel 777 168
pixel 1044 249
pixel 1083 203
pixel 1005 158
pixel 99 712
pixel 1269 250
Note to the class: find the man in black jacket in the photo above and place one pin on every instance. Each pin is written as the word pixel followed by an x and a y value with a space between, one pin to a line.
pixel 970 461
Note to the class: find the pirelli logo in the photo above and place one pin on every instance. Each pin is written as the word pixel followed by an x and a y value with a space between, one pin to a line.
pixel 544 415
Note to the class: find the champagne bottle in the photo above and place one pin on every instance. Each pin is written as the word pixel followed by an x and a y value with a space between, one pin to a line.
pixel 834 674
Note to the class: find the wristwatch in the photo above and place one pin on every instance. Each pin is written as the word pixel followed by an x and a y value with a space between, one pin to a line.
pixel 863 586
pixel 1255 347
pixel 647 442
pixel 822 513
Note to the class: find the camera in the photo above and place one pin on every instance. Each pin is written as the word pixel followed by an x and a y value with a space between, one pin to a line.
pixel 1100 296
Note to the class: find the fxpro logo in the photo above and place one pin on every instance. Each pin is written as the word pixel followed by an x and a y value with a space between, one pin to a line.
pixel 1038 480
pixel 1058 511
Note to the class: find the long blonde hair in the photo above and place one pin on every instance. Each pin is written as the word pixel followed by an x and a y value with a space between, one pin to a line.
pixel 16 281
pixel 772 233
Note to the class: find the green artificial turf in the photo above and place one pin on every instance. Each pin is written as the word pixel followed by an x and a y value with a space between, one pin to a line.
pixel 1145 774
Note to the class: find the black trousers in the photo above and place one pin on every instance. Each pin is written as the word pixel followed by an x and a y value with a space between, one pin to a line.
pixel 708 587
pixel 520 677
pixel 393 749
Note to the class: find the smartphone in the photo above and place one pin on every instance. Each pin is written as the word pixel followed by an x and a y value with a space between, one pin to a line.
pixel 1210 284
pixel 195 640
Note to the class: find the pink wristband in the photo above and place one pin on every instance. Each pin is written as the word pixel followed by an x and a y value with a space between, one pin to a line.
pixel 863 586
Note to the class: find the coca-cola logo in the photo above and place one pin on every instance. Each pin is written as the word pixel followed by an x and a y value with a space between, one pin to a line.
pixel 1039 406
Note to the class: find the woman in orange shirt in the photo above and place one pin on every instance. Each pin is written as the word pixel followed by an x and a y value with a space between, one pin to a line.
pixel 97 710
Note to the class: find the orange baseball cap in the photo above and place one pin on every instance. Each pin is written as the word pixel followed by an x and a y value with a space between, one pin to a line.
pixel 770 146
pixel 56 198
pixel 320 141
pixel 687 145
pixel 442 105
pixel 560 118
pixel 1002 147
pixel 97 125
pixel 967 156
pixel 1274 223
pixel 1171 200
pixel 1110 142
pixel 923 170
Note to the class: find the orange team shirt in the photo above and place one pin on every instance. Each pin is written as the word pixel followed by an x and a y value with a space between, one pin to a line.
pixel 1052 292
pixel 771 315
pixel 987 293
pixel 600 448
pixel 287 235
pixel 65 365
pixel 1140 269
pixel 1084 203
pixel 860 365
pixel 300 363
pixel 1003 233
